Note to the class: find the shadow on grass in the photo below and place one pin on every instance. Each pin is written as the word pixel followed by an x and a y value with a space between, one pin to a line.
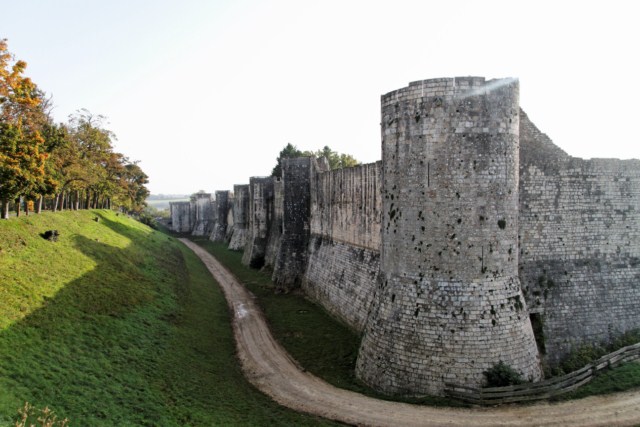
pixel 142 339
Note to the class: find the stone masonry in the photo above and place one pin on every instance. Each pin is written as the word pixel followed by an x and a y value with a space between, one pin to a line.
pixel 448 305
pixel 472 228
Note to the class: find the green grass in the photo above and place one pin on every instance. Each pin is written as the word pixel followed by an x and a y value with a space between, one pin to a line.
pixel 328 349
pixel 317 341
pixel 622 378
pixel 118 324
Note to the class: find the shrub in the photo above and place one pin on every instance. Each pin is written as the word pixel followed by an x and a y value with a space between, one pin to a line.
pixel 501 375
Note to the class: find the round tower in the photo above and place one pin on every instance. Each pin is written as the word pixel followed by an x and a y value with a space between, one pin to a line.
pixel 448 304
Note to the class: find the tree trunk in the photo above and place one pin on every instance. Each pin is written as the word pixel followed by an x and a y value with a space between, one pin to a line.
pixel 18 204
pixel 55 202
pixel 77 201
pixel 39 204
pixel 4 213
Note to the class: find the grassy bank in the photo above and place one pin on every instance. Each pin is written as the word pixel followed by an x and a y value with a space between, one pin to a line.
pixel 117 324
pixel 328 349
pixel 320 343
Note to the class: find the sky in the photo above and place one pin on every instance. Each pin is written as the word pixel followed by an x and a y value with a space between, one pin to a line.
pixel 205 94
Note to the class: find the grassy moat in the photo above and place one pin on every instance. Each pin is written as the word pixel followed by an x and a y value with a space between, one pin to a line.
pixel 118 324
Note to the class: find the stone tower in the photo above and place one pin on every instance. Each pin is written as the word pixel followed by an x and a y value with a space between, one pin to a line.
pixel 448 304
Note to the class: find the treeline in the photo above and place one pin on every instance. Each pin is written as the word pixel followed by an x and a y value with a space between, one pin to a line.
pixel 336 160
pixel 57 166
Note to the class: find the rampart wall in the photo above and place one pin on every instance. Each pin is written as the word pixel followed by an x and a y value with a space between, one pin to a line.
pixel 181 217
pixel 221 212
pixel 472 228
pixel 344 244
pixel 202 214
pixel 291 261
pixel 277 218
pixel 449 304
pixel 260 220
pixel 240 214
pixel 579 244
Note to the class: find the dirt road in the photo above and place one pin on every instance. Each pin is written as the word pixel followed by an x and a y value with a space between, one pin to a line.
pixel 268 366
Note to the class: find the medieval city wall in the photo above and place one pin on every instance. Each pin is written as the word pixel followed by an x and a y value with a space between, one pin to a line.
pixel 291 260
pixel 579 244
pixel 449 304
pixel 260 220
pixel 221 212
pixel 202 214
pixel 277 218
pixel 240 214
pixel 344 246
pixel 181 217
pixel 473 228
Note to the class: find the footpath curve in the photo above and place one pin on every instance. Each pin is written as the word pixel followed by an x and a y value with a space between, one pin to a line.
pixel 270 368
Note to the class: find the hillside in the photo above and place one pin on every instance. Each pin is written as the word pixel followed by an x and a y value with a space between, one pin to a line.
pixel 117 324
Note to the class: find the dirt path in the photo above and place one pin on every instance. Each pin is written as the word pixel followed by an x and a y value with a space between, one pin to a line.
pixel 269 367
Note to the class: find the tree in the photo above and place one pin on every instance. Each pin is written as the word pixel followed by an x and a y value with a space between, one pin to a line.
pixel 288 152
pixel 335 159
pixel 22 164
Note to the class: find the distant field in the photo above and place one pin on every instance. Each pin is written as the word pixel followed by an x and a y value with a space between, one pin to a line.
pixel 164 203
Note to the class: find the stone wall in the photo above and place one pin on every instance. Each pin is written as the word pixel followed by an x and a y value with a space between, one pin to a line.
pixel 181 217
pixel 449 304
pixel 472 227
pixel 291 261
pixel 260 220
pixel 579 244
pixel 345 239
pixel 202 214
pixel 275 235
pixel 241 213
pixel 219 233
pixel 230 223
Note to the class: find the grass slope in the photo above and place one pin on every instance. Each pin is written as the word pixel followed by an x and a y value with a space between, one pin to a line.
pixel 317 341
pixel 328 349
pixel 117 324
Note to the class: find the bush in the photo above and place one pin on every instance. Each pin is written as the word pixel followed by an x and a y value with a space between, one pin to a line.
pixel 586 354
pixel 501 375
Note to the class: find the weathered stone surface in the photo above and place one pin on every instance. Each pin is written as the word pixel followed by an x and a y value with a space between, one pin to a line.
pixel 275 234
pixel 181 217
pixel 472 224
pixel 219 233
pixel 202 214
pixel 579 244
pixel 240 217
pixel 291 261
pixel 345 239
pixel 449 304
pixel 260 213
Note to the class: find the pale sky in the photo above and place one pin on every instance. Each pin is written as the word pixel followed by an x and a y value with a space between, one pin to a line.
pixel 206 93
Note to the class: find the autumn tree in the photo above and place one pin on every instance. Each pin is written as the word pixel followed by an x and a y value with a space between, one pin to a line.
pixel 22 162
